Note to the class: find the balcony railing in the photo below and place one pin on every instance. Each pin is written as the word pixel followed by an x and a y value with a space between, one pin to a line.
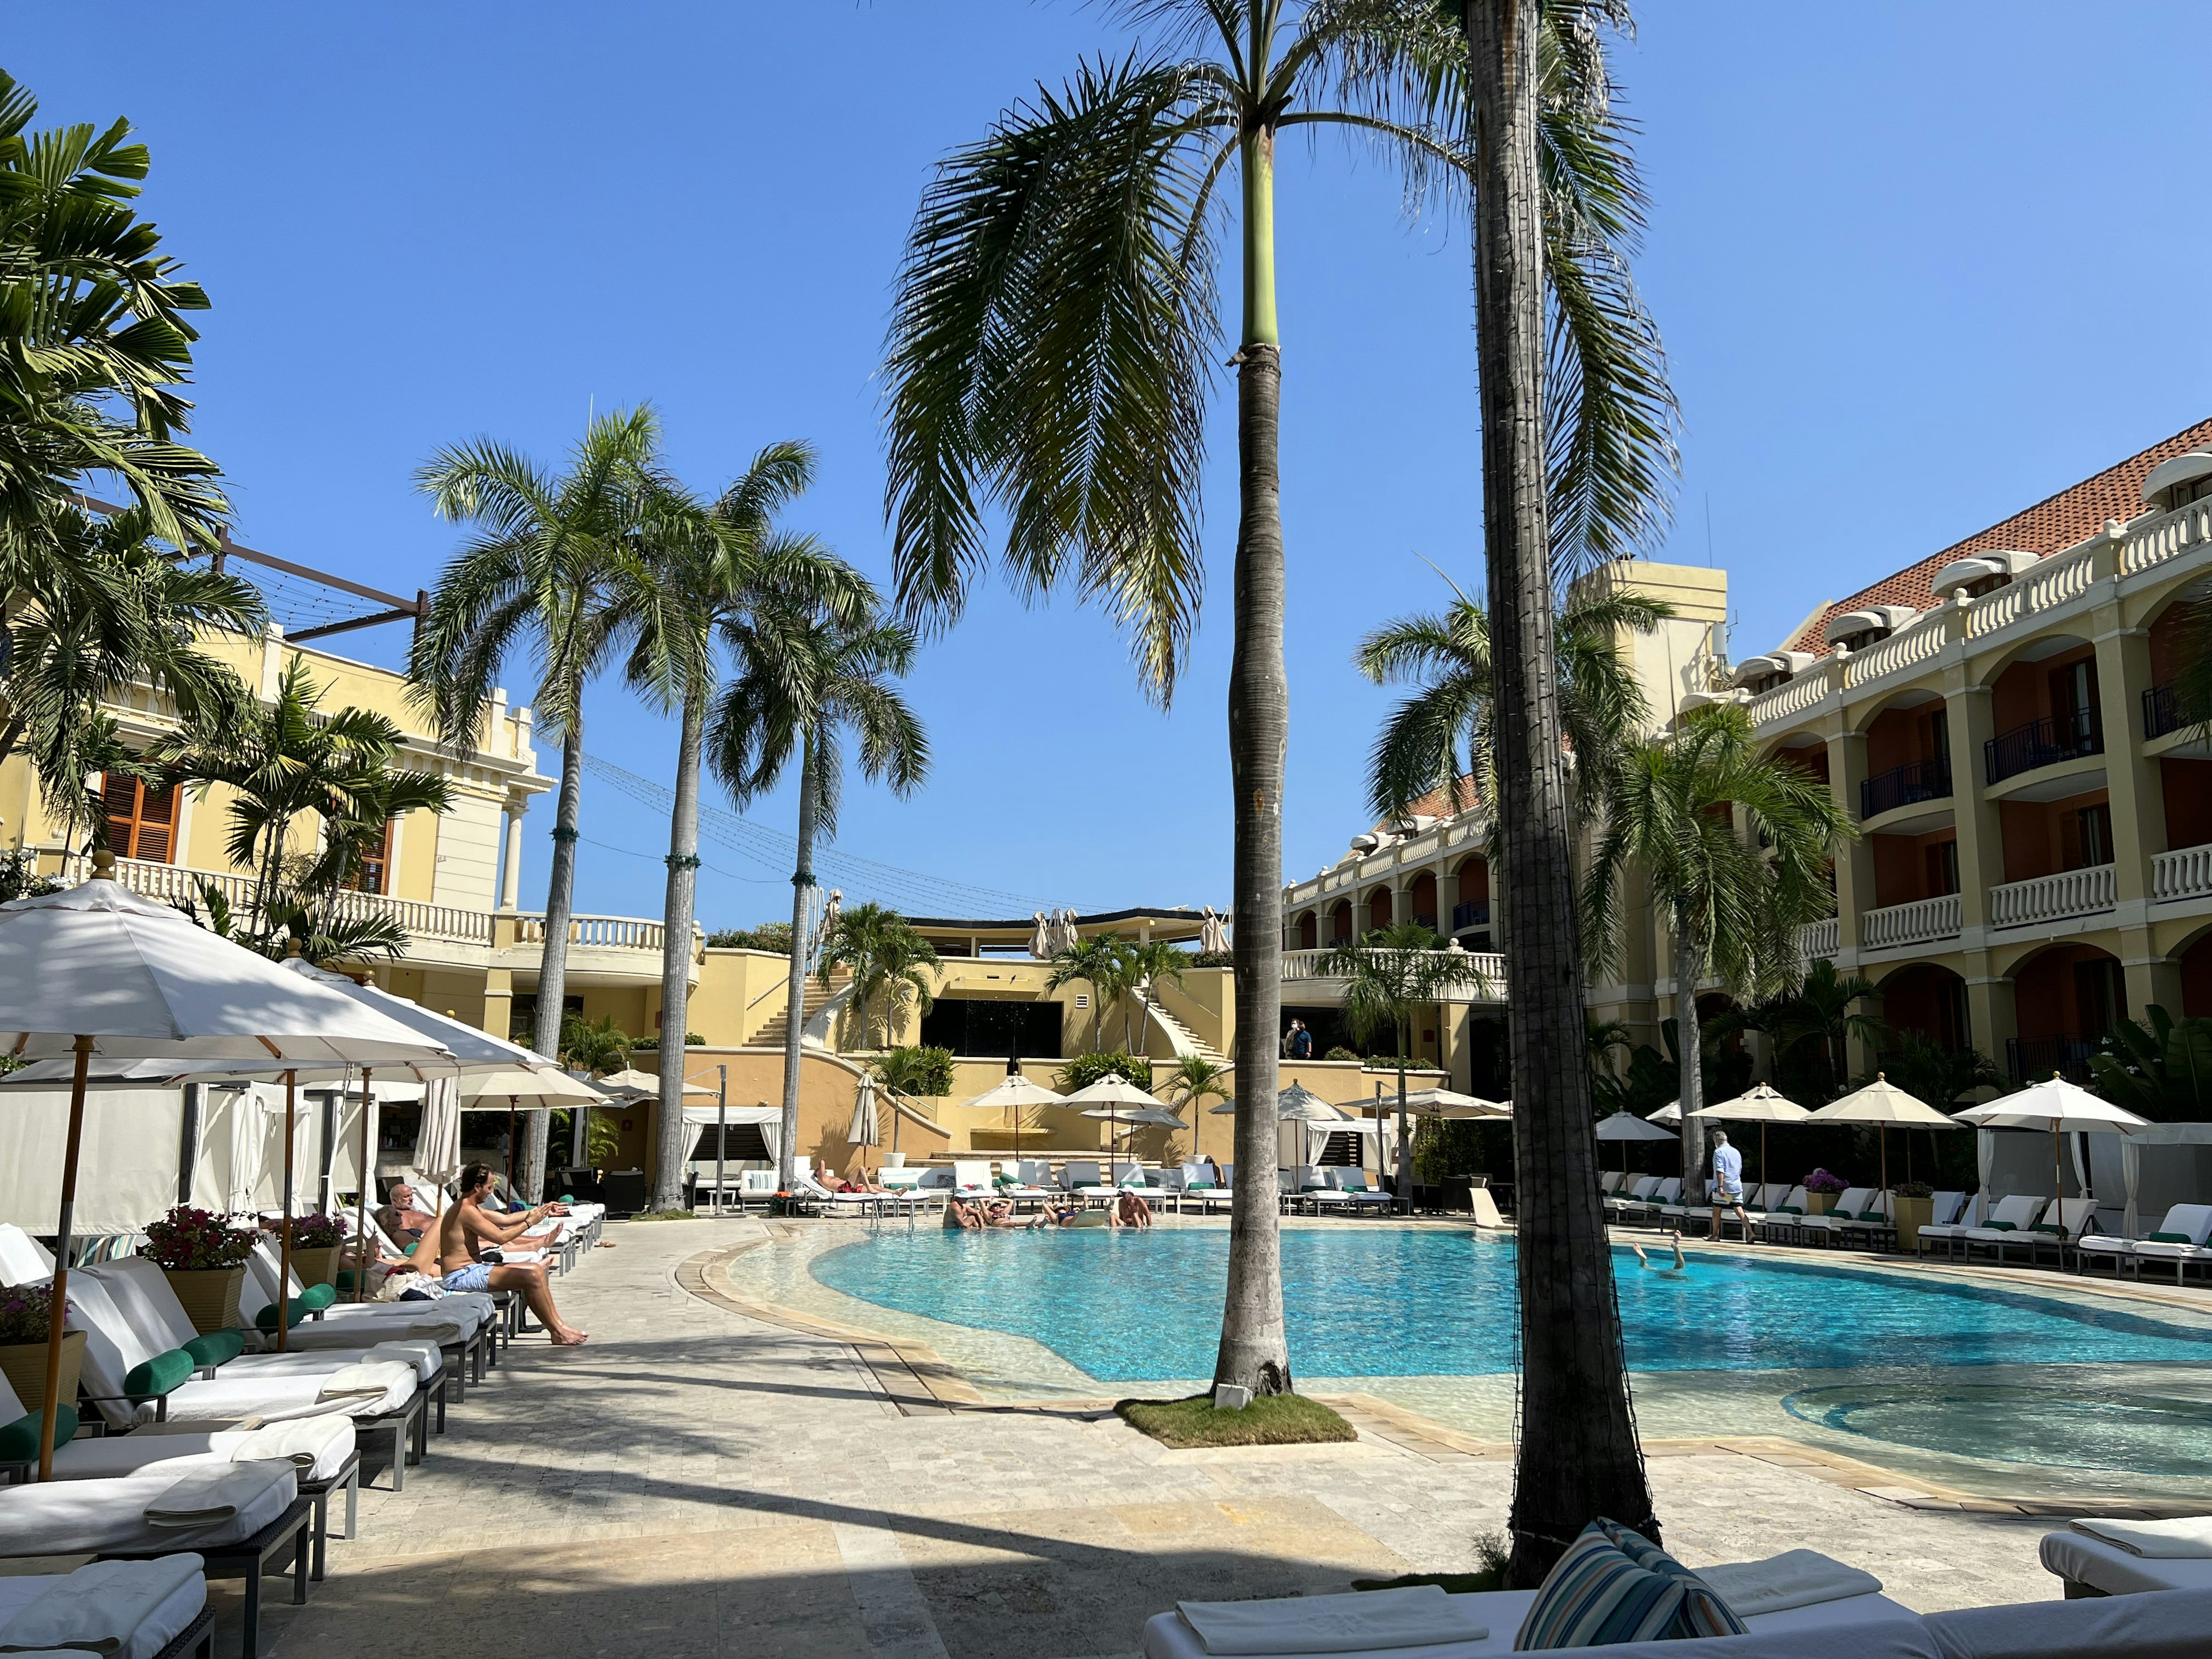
pixel 1304 965
pixel 1902 785
pixel 1816 940
pixel 605 933
pixel 2052 898
pixel 2032 1060
pixel 2043 743
pixel 2183 873
pixel 1916 923
pixel 1467 914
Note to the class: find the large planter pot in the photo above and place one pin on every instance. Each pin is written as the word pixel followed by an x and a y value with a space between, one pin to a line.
pixel 1912 1214
pixel 209 1295
pixel 1820 1203
pixel 24 1364
pixel 318 1266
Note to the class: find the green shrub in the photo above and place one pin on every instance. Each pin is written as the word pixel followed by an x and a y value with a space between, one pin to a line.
pixel 1339 1053
pixel 916 1071
pixel 652 1044
pixel 1086 1069
pixel 771 936
pixel 1214 959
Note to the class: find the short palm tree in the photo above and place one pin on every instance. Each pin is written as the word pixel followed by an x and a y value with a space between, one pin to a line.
pixel 94 343
pixel 806 680
pixel 1098 961
pixel 1444 731
pixel 1051 354
pixel 693 575
pixel 540 574
pixel 1388 976
pixel 1733 896
pixel 890 962
pixel 1145 965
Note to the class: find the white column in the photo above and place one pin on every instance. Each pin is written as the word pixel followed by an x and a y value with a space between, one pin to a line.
pixel 510 881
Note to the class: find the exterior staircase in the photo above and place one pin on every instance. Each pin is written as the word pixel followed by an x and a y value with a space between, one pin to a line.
pixel 1183 1039
pixel 771 1036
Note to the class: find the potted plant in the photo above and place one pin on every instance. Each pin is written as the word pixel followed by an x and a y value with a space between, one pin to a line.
pixel 24 1311
pixel 1915 1207
pixel 204 1258
pixel 317 1242
pixel 1821 1191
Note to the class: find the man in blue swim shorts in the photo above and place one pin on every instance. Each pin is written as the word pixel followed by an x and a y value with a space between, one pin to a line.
pixel 468 1228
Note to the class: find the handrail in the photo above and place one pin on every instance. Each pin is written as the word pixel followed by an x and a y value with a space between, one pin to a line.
pixel 2042 742
pixel 1905 785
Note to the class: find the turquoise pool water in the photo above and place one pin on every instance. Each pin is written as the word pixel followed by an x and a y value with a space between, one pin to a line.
pixel 2073 1428
pixel 1395 1302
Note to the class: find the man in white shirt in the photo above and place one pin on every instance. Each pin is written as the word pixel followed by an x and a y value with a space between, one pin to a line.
pixel 1727 1185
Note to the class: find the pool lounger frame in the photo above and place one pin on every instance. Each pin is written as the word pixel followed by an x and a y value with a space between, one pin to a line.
pixel 252 1559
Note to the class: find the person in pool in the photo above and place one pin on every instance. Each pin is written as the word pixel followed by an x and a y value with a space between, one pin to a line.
pixel 1681 1263
pixel 1129 1211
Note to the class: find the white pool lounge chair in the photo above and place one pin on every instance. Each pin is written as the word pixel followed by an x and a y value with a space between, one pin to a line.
pixel 2008 1224
pixel 1876 1222
pixel 1648 1210
pixel 1199 1186
pixel 1083 1176
pixel 124 1609
pixel 452 1320
pixel 1783 1220
pixel 1688 1204
pixel 1307 1187
pixel 2090 1561
pixel 1945 1213
pixel 1637 1192
pixel 1828 1228
pixel 2185 1239
pixel 1612 1182
pixel 2062 1229
pixel 1365 1196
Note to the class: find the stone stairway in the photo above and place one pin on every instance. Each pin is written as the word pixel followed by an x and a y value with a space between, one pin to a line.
pixel 771 1036
pixel 1183 1039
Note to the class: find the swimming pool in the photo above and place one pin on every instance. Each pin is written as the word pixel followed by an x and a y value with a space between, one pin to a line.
pixel 1390 1301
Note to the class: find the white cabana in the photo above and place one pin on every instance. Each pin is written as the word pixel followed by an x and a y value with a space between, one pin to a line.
pixel 769 1120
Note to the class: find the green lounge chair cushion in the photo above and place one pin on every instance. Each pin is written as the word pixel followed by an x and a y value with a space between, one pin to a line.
pixel 2004 1226
pixel 298 1308
pixel 2047 1227
pixel 19 1440
pixel 1790 1209
pixel 216 1347
pixel 1199 1186
pixel 2169 1238
pixel 163 1374
pixel 316 1297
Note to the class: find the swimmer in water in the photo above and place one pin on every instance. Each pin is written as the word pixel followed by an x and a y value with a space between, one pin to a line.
pixel 1680 1261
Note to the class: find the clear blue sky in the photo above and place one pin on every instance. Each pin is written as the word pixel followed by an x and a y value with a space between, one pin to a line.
pixel 1916 266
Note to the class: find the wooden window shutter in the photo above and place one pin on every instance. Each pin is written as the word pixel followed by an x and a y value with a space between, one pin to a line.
pixel 141 822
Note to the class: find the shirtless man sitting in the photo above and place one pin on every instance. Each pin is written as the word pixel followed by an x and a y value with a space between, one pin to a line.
pixel 468 1227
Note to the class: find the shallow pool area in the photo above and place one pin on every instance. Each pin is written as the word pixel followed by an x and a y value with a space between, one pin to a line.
pixel 2047 1388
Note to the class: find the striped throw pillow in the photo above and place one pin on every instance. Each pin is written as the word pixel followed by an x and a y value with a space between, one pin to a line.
pixel 1615 1585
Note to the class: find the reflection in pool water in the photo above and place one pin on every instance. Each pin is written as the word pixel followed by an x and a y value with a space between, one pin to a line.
pixel 1396 1302
pixel 2071 1428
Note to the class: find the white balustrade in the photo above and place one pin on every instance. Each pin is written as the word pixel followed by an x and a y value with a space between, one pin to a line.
pixel 1792 698
pixel 180 884
pixel 1816 940
pixel 1915 643
pixel 2046 585
pixel 602 933
pixel 2168 536
pixel 1486 981
pixel 1916 923
pixel 2052 898
pixel 2185 873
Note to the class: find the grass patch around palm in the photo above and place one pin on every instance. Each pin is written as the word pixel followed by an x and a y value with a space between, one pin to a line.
pixel 667 1215
pixel 1278 1419
pixel 1491 1551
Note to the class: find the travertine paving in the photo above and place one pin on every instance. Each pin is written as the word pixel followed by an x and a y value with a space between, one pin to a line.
pixel 697 1481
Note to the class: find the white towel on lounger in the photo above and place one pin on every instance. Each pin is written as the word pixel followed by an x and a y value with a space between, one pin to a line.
pixel 1421 1615
pixel 98 1607
pixel 418 1354
pixel 211 1493
pixel 2187 1539
pixel 302 1440
pixel 369 1379
pixel 1796 1578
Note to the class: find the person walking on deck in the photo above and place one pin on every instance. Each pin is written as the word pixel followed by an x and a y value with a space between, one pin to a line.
pixel 1727 1185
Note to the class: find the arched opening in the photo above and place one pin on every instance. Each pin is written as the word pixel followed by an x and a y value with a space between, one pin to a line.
pixel 1421 899
pixel 2068 999
pixel 1378 910
pixel 2045 709
pixel 1470 917
pixel 1929 1001
pixel 1340 923
pixel 1309 930
pixel 1727 1062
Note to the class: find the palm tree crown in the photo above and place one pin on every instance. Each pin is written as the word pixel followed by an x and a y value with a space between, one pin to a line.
pixel 890 960
pixel 1098 961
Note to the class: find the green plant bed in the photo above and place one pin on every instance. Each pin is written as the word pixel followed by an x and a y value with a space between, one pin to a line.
pixel 1278 1419
pixel 667 1215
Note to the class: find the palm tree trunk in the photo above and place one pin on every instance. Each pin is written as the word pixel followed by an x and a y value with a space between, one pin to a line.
pixel 676 954
pixel 1255 1350
pixel 1690 1060
pixel 1578 1456
pixel 794 1024
pixel 553 961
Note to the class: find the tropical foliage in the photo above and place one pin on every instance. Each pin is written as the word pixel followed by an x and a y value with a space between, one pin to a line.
pixel 1085 1070
pixel 593 1045
pixel 1100 962
pixel 774 937
pixel 916 1069
pixel 890 962
pixel 2159 1067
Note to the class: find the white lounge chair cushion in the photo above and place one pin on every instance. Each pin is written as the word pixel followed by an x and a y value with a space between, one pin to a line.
pixel 2104 1565
pixel 419 1356
pixel 2159 1625
pixel 129 1609
pixel 85 1517
pixel 1422 1616
pixel 317 1446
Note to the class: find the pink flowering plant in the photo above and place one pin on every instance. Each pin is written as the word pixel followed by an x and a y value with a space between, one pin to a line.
pixel 314 1232
pixel 1821 1181
pixel 188 1239
pixel 24 1313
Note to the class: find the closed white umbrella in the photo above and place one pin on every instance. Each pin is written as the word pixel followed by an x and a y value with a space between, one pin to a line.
pixel 1760 1105
pixel 2062 1108
pixel 864 1130
pixel 96 969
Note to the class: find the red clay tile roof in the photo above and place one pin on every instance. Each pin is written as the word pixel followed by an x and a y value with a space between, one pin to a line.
pixel 2049 526
pixel 1437 803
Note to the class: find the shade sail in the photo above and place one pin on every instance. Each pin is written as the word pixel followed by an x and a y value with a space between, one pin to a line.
pixel 1627 1126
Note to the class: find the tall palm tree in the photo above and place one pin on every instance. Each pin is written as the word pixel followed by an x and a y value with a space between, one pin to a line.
pixel 1445 730
pixel 1095 961
pixel 540 574
pixel 1575 469
pixel 93 343
pixel 1145 965
pixel 1050 356
pixel 697 573
pixel 1734 897
pixel 807 679
pixel 1388 977
pixel 890 960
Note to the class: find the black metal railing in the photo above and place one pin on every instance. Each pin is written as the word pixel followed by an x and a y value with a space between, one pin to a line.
pixel 2032 1060
pixel 1901 786
pixel 1425 919
pixel 2161 711
pixel 2043 743
pixel 1468 914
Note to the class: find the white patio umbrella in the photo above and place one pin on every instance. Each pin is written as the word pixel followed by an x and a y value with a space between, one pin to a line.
pixel 1113 1096
pixel 532 1090
pixel 97 971
pixel 1439 1103
pixel 1760 1105
pixel 1625 1126
pixel 1670 1113
pixel 1011 1094
pixel 2064 1108
pixel 1882 1103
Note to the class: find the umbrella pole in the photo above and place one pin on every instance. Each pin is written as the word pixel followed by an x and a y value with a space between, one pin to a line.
pixel 58 1309
pixel 510 1145
pixel 284 1248
pixel 360 1197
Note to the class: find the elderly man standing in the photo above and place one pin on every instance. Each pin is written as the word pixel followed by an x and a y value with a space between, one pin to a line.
pixel 1727 1185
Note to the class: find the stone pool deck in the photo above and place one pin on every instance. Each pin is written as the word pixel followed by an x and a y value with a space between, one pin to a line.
pixel 706 1478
